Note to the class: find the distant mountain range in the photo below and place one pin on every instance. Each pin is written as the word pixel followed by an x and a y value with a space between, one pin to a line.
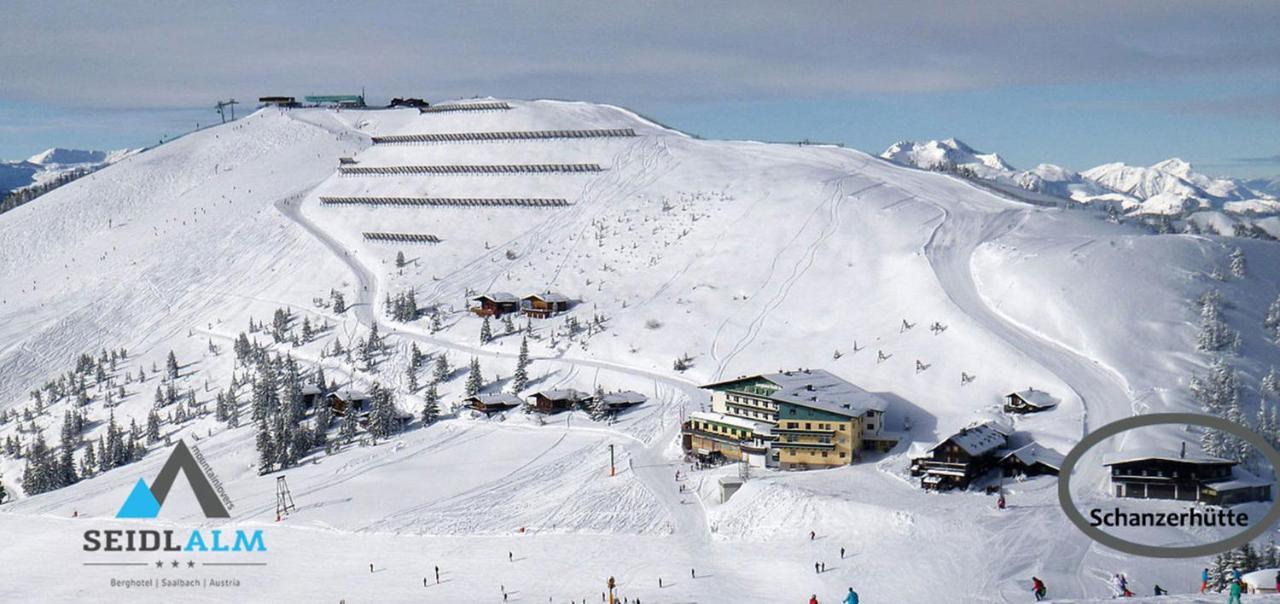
pixel 1171 188
pixel 48 165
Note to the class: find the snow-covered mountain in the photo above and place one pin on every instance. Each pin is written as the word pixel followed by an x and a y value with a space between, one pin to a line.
pixel 740 256
pixel 49 164
pixel 1170 188
pixel 946 154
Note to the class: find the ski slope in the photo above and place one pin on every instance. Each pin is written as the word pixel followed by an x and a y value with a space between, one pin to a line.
pixel 745 256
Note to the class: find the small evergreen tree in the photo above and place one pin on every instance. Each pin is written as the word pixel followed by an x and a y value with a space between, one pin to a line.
pixel 431 405
pixel 1237 263
pixel 520 380
pixel 474 380
pixel 171 366
pixel 442 368
pixel 486 332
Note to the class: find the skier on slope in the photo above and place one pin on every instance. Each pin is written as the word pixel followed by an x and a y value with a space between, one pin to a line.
pixel 1038 588
pixel 813 599
pixel 1000 502
pixel 1234 595
pixel 1204 580
pixel 851 597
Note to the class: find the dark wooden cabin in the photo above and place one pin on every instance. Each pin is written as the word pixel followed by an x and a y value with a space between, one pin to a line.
pixel 495 304
pixel 544 305
pixel 1029 401
pixel 1183 477
pixel 495 402
pixel 345 399
pixel 1031 460
pixel 555 401
pixel 961 458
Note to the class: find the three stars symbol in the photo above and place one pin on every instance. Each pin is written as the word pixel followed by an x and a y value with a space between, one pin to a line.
pixel 190 563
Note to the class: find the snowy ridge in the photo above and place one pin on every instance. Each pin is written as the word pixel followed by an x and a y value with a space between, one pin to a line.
pixel 1170 188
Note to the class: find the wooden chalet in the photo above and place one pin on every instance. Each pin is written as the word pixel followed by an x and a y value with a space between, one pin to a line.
pixel 495 304
pixel 1154 474
pixel 619 401
pixel 494 402
pixel 960 459
pixel 555 401
pixel 544 305
pixel 1029 401
pixel 1031 460
pixel 311 394
pixel 345 399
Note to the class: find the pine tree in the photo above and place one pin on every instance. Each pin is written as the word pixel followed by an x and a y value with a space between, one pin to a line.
pixel 436 325
pixel 233 410
pixel 90 463
pixel 348 430
pixel 399 259
pixel 153 427
pixel 431 405
pixel 324 417
pixel 1237 263
pixel 508 327
pixel 171 366
pixel 266 451
pixel 442 368
pixel 413 378
pixel 1272 321
pixel 1215 334
pixel 474 380
pixel 486 332
pixel 339 303
pixel 520 380
pixel 1271 384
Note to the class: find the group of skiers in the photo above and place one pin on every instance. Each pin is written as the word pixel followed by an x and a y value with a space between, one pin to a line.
pixel 1234 587
pixel 849 598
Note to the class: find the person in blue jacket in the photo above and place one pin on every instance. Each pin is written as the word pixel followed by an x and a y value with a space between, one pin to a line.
pixel 1204 580
pixel 852 597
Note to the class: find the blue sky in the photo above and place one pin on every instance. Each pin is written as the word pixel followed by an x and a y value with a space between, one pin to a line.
pixel 1076 84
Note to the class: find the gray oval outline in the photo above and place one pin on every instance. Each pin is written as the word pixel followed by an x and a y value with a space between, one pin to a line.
pixel 1152 551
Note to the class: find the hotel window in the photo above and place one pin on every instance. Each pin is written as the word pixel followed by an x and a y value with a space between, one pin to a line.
pixel 824 453
pixel 842 427
pixel 808 426
pixel 792 425
pixel 842 455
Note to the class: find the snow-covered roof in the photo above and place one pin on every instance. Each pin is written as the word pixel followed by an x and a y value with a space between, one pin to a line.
pixel 720 418
pixel 1037 398
pixel 496 398
pixel 625 397
pixel 498 297
pixel 1111 459
pixel 310 389
pixel 1240 479
pixel 977 440
pixel 562 394
pixel 548 297
pixel 1261 578
pixel 349 394
pixel 1033 453
pixel 818 389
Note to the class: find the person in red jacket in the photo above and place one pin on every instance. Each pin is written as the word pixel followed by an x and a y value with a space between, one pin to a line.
pixel 813 599
pixel 1038 588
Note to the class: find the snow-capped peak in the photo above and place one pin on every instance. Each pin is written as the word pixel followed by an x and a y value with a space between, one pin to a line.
pixel 936 154
pixel 60 156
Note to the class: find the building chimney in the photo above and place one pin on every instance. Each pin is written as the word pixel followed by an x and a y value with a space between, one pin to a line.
pixel 1183 454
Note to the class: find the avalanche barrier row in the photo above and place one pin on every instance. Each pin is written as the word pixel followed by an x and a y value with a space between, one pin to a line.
pixel 465 107
pixel 529 202
pixel 471 169
pixel 515 135
pixel 402 237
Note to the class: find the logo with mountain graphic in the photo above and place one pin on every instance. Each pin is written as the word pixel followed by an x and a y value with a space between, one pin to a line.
pixel 145 501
